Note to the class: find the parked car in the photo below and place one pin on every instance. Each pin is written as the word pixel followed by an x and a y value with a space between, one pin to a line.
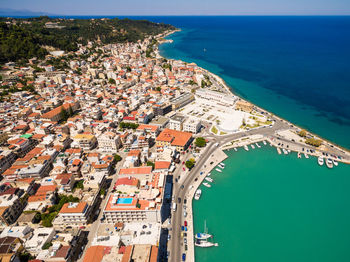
pixel 183 257
pixel 185 223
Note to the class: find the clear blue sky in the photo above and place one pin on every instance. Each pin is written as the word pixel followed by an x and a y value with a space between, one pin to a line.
pixel 182 7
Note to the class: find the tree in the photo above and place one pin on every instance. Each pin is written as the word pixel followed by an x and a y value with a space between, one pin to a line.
pixel 158 89
pixel 117 158
pixel 70 111
pixel 190 163
pixel 64 114
pixel 200 142
pixel 111 81
pixel 313 141
pixel 150 163
pixel 302 133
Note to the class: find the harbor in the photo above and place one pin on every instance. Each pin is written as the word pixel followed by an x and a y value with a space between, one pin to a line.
pixel 243 213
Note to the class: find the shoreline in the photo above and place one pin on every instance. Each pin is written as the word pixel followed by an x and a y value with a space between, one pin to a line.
pixel 230 91
pixel 221 155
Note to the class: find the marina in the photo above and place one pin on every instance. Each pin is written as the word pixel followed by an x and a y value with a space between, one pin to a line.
pixel 229 231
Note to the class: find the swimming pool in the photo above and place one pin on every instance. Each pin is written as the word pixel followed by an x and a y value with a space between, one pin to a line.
pixel 126 200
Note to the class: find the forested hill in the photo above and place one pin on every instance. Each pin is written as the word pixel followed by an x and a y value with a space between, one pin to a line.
pixel 24 38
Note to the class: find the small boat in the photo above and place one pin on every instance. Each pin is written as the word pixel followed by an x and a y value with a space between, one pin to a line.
pixel 285 151
pixel 246 148
pixel 235 149
pixel 222 167
pixel 223 164
pixel 264 142
pixel 198 194
pixel 329 163
pixel 299 155
pixel 257 145
pixel 306 155
pixel 218 169
pixel 335 162
pixel 320 161
pixel 252 146
pixel 205 243
pixel 207 184
pixel 209 179
pixel 209 174
pixel 278 150
pixel 205 235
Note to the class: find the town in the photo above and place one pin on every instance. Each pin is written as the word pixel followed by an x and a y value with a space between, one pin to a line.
pixel 93 143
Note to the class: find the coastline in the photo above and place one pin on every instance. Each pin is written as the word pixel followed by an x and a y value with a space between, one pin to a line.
pixel 220 151
pixel 230 92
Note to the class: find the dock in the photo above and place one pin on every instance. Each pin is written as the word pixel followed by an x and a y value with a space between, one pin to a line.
pixel 217 157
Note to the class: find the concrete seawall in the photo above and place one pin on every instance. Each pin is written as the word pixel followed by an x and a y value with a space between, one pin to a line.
pixel 217 157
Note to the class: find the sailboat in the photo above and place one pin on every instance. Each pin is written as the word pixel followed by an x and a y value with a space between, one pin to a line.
pixel 205 235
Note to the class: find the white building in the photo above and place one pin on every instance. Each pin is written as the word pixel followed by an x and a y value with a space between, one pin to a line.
pixel 73 214
pixel 192 125
pixel 131 209
pixel 109 142
pixel 176 122
pixel 221 98
pixel 40 237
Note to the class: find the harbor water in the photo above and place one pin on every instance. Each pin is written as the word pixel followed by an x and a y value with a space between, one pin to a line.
pixel 273 208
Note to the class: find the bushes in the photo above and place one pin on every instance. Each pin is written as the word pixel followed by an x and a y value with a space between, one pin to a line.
pixel 128 125
pixel 190 163
pixel 200 142
pixel 313 141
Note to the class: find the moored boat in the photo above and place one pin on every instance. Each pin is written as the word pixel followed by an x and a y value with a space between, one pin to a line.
pixel 235 149
pixel 335 162
pixel 299 155
pixel 218 169
pixel 198 194
pixel 257 145
pixel 209 174
pixel 264 142
pixel 320 161
pixel 285 151
pixel 252 146
pixel 209 179
pixel 207 184
pixel 306 155
pixel 246 148
pixel 205 243
pixel 329 163
pixel 278 150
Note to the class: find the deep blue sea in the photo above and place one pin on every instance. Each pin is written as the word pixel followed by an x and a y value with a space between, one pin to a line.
pixel 296 67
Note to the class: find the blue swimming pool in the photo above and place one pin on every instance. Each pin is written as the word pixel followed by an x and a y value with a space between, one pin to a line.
pixel 127 200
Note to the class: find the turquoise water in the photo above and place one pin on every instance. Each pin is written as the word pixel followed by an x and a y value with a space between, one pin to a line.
pixel 275 208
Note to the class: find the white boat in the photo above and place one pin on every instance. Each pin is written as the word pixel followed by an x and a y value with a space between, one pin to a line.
pixel 209 179
pixel 278 150
pixel 252 146
pixel 329 163
pixel 222 167
pixel 264 142
pixel 285 151
pixel 246 148
pixel 218 169
pixel 235 149
pixel 223 164
pixel 257 145
pixel 209 174
pixel 198 194
pixel 299 155
pixel 306 155
pixel 320 161
pixel 205 243
pixel 335 162
pixel 207 184
pixel 205 235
